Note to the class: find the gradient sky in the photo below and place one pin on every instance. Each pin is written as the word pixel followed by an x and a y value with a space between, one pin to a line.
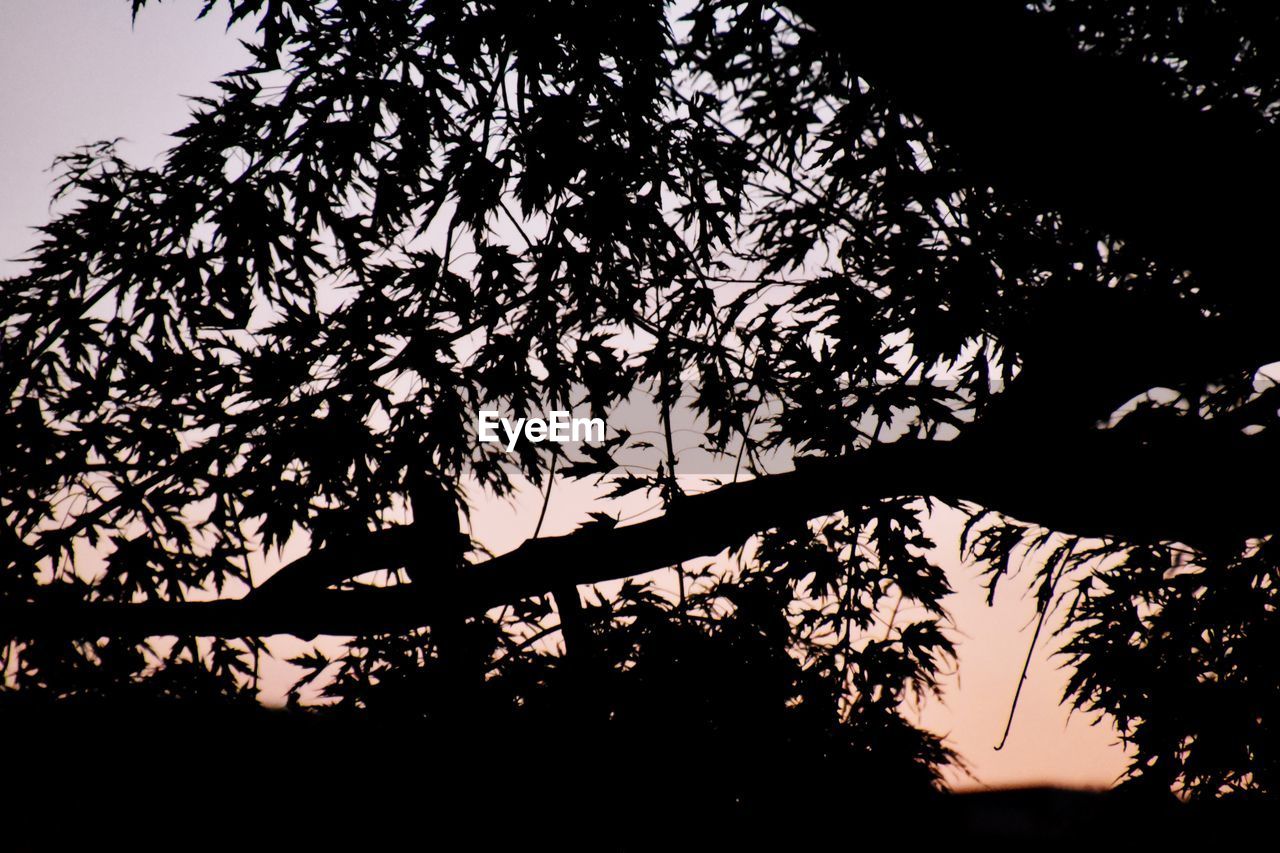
pixel 76 71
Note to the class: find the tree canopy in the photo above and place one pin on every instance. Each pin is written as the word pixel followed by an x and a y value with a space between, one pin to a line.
pixel 1009 257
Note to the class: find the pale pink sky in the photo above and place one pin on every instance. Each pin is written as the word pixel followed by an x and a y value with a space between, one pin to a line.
pixel 75 71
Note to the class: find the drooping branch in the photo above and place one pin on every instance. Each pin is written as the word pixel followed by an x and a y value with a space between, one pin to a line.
pixel 1180 489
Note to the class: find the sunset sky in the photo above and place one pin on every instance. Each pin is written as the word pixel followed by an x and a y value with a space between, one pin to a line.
pixel 76 71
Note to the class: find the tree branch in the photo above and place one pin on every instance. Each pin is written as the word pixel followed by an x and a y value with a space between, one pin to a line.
pixel 1183 488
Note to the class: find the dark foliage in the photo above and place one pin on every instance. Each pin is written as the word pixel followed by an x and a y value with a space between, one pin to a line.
pixel 401 212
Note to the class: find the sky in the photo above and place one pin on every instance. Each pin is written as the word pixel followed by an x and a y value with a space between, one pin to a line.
pixel 77 71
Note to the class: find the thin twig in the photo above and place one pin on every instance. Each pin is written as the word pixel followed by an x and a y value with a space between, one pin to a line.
pixel 1026 664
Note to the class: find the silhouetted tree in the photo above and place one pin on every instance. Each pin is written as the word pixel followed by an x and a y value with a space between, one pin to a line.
pixel 1011 257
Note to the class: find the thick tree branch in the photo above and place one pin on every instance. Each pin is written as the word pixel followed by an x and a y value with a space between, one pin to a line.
pixel 1185 488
